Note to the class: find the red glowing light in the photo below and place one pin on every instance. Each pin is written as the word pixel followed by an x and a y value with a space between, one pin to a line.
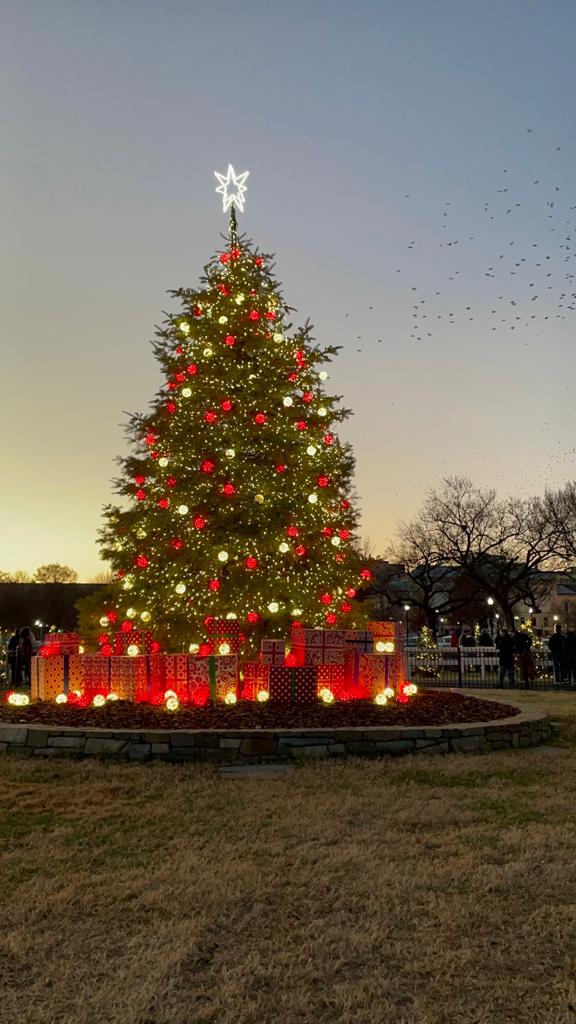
pixel 197 311
pixel 154 647
pixel 170 407
pixel 365 574
pixel 292 531
pixel 224 258
pixel 351 592
pixel 230 340
pixel 252 617
pixel 235 254
pixel 327 531
pixel 258 261
pixel 192 369
pixel 126 626
pixel 251 562
pixel 300 424
pixel 345 503
pixel 270 316
pixel 326 599
pixel 308 396
pixel 226 404
pixel 179 350
pixel 210 416
pixel 112 616
pixel 171 481
pixel 214 585
pixel 199 522
pixel 150 438
pixel 180 376
pixel 205 649
pixel 331 618
pixel 207 466
pixel 176 543
pixel 139 479
pixel 140 495
pixel 323 481
pixel 328 438
pixel 293 377
pixel 164 503
pixel 223 289
pixel 141 561
pixel 260 417
pixel 280 468
pixel 344 534
pixel 253 314
pixel 340 557
pixel 228 489
pixel 346 606
pixel 300 550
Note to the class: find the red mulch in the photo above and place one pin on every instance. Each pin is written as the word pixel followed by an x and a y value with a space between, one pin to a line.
pixel 426 708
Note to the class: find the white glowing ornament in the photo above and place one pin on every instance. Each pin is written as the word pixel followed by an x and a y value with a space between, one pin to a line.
pixel 322 411
pixel 186 392
pixel 312 498
pixel 99 700
pixel 61 698
pixel 127 583
pixel 335 541
pixel 283 547
pixel 273 607
pixel 172 703
pixel 112 696
pixel 296 612
pixel 311 450
pixel 231 615
pixel 389 692
pixel 222 556
pixel 132 650
pixel 131 613
pixel 18 700
pixel 381 699
pixel 184 327
pixel 194 648
pixel 230 181
pixel 207 352
pixel 262 696
pixel 224 648
pixel 182 510
pixel 384 646
pixel 323 375
pixel 230 698
pixel 222 319
pixel 230 453
pixel 180 588
pixel 145 616
pixel 81 648
pixel 103 620
pixel 259 498
pixel 277 337
pixel 141 533
pixel 163 462
pixel 287 401
pixel 326 695
pixel 240 298
pixel 410 689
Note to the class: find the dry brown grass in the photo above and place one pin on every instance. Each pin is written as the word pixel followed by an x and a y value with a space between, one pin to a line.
pixel 422 891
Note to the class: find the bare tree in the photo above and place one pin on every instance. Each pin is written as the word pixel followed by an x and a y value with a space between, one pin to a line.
pixel 18 576
pixel 55 573
pixel 558 508
pixel 503 546
pixel 104 576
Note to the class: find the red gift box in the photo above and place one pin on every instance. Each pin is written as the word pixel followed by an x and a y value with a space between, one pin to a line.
pixel 212 678
pixel 138 679
pixel 318 646
pixel 254 677
pixel 360 640
pixel 365 674
pixel 223 628
pixel 60 673
pixel 333 678
pixel 388 633
pixel 62 643
pixel 293 685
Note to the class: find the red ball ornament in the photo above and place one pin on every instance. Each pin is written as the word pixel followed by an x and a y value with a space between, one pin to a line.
pixel 141 561
pixel 179 350
pixel 230 340
pixel 223 289
pixel 197 311
pixel 293 377
pixel 227 404
pixel 204 651
pixel 170 407
pixel 150 438
pixel 327 531
pixel 164 503
pixel 139 479
pixel 171 481
pixel 172 385
pixel 323 481
pixel 154 455
pixel 300 550
pixel 253 314
pixel 209 620
pixel 280 468
pixel 180 376
pixel 235 254
pixel 154 647
pixel 207 466
pixel 345 504
pixel 107 650
pixel 112 616
pixel 140 495
pixel 326 599
pixel 228 489
pixel 344 534
pixel 292 531
pixel 299 355
pixel 346 607
pixel 351 592
pixel 328 438
pixel 224 258
pixel 331 618
pixel 103 638
pixel 199 522
pixel 290 659
pixel 210 416
pixel 176 543
pixel 192 369
pixel 270 316
pixel 126 626
pixel 214 585
pixel 365 574
pixel 251 562
pixel 340 557
pixel 252 617
pixel 308 396
pixel 258 261
pixel 260 418
pixel 300 424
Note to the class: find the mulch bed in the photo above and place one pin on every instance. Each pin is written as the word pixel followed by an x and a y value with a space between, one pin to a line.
pixel 426 708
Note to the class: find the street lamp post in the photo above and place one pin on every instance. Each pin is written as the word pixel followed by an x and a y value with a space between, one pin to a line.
pixel 490 603
pixel 406 610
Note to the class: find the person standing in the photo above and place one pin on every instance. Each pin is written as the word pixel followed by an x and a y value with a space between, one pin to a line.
pixel 556 645
pixel 570 656
pixel 522 647
pixel 505 645
pixel 26 650
pixel 14 666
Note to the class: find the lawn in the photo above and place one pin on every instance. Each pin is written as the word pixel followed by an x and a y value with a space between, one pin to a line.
pixel 420 891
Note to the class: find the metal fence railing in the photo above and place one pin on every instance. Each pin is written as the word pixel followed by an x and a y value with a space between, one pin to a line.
pixel 479 667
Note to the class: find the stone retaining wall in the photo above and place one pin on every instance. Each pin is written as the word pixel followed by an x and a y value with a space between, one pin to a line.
pixel 262 745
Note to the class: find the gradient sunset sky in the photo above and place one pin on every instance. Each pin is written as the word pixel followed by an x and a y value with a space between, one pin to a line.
pixel 413 167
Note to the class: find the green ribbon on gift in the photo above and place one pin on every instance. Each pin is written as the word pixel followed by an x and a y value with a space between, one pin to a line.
pixel 212 677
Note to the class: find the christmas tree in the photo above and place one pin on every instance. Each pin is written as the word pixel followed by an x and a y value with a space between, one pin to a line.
pixel 427 653
pixel 237 491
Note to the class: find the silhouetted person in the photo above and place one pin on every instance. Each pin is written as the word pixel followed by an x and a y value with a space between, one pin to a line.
pixel 26 652
pixel 505 645
pixel 485 639
pixel 556 645
pixel 467 640
pixel 522 647
pixel 14 664
pixel 570 656
pixel 454 638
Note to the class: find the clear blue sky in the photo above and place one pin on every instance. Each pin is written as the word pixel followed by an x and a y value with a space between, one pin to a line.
pixel 114 117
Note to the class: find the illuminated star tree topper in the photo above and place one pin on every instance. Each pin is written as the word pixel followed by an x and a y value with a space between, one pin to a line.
pixel 229 181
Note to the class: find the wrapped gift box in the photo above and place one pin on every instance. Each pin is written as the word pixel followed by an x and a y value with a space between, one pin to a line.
pixel 360 640
pixel 212 677
pixel 318 646
pixel 177 674
pixel 332 677
pixel 96 673
pixel 224 628
pixel 272 652
pixel 293 685
pixel 254 677
pixel 366 674
pixel 59 673
pixel 62 643
pixel 138 679
pixel 388 633
pixel 234 644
